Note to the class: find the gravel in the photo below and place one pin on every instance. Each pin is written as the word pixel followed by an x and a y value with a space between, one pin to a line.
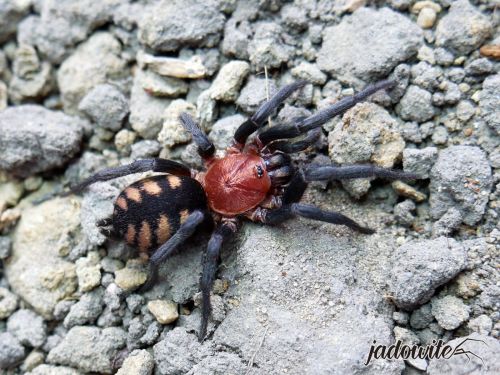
pixel 28 327
pixel 34 139
pixel 419 267
pixel 11 351
pixel 489 102
pixel 416 105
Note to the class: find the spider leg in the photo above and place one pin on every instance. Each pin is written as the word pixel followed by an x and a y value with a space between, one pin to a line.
pixel 208 276
pixel 326 173
pixel 205 148
pixel 314 213
pixel 144 165
pixel 291 147
pixel 321 117
pixel 260 116
pixel 185 231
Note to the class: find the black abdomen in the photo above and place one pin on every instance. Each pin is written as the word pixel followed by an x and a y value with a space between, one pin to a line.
pixel 148 212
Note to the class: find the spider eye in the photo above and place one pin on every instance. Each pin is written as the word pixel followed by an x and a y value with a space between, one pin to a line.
pixel 260 171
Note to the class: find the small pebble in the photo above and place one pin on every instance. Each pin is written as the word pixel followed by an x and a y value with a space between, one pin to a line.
pixel 165 312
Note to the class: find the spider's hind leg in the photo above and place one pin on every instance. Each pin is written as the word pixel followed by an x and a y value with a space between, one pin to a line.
pixel 106 228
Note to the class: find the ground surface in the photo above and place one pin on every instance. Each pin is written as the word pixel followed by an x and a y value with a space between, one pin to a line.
pixel 90 84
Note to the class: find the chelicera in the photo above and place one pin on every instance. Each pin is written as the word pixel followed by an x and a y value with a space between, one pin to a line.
pixel 254 179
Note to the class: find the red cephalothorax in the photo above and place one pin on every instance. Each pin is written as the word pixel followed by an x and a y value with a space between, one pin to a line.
pixel 257 180
pixel 236 183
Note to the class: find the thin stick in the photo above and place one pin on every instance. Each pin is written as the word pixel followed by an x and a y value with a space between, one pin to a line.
pixel 267 93
pixel 250 362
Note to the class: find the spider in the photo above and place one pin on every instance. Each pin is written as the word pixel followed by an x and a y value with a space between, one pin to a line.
pixel 255 180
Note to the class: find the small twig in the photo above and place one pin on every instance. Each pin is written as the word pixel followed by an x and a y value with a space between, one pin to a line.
pixel 250 362
pixel 267 92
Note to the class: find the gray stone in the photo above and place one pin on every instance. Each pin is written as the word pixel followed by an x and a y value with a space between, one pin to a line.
pixel 172 132
pixel 463 29
pixel 135 302
pixel 237 35
pixel 452 93
pixel 465 110
pixel 28 327
pixel 159 86
pixel 440 135
pixel 8 303
pixel 294 17
pixel 226 85
pixel 371 137
pixel 171 25
pixel 403 212
pixel 223 131
pixel 449 222
pixel 419 161
pixel 34 139
pixel 139 362
pixel 5 247
pixel 383 37
pixel 461 178
pixel 62 309
pixel 86 310
pixel 421 318
pixel 426 76
pixel 400 317
pixel 309 72
pixel 489 102
pixel 482 324
pixel 53 370
pixel 38 274
pixel 416 105
pixel 11 351
pixel 443 56
pixel 145 149
pixel 254 93
pixel 89 349
pixel 11 12
pixel 449 311
pixel 95 61
pixel 419 267
pixel 479 67
pixel 61 25
pixel 267 48
pixel 220 363
pixel 106 106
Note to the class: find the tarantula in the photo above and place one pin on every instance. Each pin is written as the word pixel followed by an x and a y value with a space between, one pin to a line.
pixel 256 180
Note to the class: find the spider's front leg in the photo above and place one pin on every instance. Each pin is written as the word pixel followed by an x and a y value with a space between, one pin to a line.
pixel 210 261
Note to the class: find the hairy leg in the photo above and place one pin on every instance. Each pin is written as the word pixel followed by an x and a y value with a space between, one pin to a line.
pixel 144 165
pixel 327 173
pixel 185 231
pixel 206 148
pixel 260 116
pixel 210 260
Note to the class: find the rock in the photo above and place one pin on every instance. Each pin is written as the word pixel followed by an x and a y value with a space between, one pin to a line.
pixel 461 178
pixel 28 327
pixel 267 48
pixel 8 303
pixel 139 362
pixel 156 85
pixel 465 110
pixel 383 37
pixel 237 35
pixel 400 317
pixel 426 18
pixel 447 223
pixel 419 161
pixel 5 249
pixel 309 72
pixel 34 139
pixel 479 67
pixel 426 76
pixel 254 93
pixel 10 193
pixel 3 96
pixel 34 359
pixel 206 110
pixel 171 25
pixel 172 132
pixel 145 149
pixel 88 271
pixel 124 140
pixel 422 317
pixel 95 61
pixel 86 310
pixel 62 309
pixel 489 102
pixel 419 267
pixel 106 106
pixel 403 212
pixel 449 311
pixel 11 351
pixel 11 12
pixel 220 363
pixel 132 276
pixel 38 274
pixel 165 312
pixel 223 130
pixel 192 68
pixel 135 302
pixel 408 191
pixel 484 361
pixel 177 352
pixel 89 349
pixel 32 79
pixel 482 324
pixel 463 29
pixel 370 137
pixel 416 105
pixel 227 84
pixel 53 370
